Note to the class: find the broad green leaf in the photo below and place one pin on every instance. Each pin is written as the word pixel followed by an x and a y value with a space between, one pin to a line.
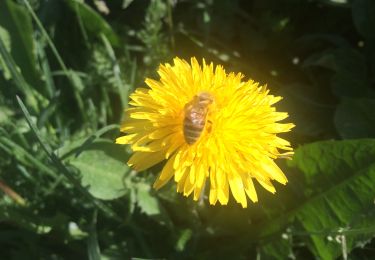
pixel 59 164
pixel 103 169
pixel 279 247
pixel 146 201
pixel 92 21
pixel 338 209
pixel 355 118
pixel 328 162
pixel 342 177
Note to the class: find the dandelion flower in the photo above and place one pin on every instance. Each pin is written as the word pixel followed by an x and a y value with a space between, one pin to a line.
pixel 230 137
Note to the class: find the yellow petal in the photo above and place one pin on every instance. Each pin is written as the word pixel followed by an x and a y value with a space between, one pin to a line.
pixel 188 187
pixel 181 182
pixel 223 193
pixel 274 171
pixel 250 189
pixel 239 141
pixel 200 182
pixel 267 185
pixel 141 161
pixel 125 139
pixel 180 173
pixel 213 196
pixel 237 188
pixel 165 175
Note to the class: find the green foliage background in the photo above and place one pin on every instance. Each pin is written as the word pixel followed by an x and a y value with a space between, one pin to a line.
pixel 66 70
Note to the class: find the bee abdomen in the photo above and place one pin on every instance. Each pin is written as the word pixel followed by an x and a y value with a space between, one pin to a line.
pixel 195 116
pixel 192 131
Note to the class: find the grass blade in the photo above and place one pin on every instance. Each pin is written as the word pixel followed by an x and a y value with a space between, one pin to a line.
pixel 121 86
pixel 71 76
pixel 19 80
pixel 67 173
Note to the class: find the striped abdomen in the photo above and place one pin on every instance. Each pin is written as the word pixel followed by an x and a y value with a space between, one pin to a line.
pixel 195 117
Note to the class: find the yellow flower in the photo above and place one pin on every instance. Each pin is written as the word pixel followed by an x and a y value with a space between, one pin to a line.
pixel 238 142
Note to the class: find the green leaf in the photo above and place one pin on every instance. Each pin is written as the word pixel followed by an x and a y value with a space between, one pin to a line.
pixel 5 37
pixel 123 89
pixel 103 169
pixel 16 20
pixel 341 175
pixel 76 145
pixel 277 248
pixel 126 3
pixel 184 237
pixel 146 201
pixel 355 118
pixel 93 249
pixel 19 81
pixel 59 164
pixel 92 21
pixel 350 79
pixel 338 210
pixel 5 114
pixel 328 162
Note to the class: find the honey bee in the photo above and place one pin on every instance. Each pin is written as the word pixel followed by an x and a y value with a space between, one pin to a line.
pixel 195 116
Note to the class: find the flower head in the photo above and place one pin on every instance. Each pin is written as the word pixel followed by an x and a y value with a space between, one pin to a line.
pixel 207 124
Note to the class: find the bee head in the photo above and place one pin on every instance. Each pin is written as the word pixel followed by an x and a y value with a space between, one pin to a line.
pixel 205 97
